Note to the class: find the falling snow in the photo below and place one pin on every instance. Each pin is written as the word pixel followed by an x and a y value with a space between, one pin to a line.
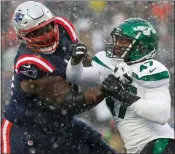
pixel 93 23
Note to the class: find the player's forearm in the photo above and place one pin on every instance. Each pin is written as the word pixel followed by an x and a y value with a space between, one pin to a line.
pixel 49 87
pixel 74 72
pixel 57 91
pixel 80 75
pixel 157 110
pixel 80 102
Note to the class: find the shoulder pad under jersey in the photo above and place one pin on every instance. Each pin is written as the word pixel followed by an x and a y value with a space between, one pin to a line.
pixel 150 73
pixel 36 60
pixel 68 26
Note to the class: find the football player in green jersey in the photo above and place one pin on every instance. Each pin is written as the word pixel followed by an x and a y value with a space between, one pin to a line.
pixel 141 106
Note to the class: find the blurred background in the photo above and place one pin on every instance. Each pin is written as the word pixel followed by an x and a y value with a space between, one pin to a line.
pixel 93 21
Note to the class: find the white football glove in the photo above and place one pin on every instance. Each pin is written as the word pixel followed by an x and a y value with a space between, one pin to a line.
pixel 123 73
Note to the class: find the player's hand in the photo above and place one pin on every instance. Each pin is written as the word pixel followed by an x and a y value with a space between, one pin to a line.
pixel 123 73
pixel 112 86
pixel 79 51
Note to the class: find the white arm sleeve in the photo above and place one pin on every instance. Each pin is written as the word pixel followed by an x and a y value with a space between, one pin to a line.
pixel 80 75
pixel 155 105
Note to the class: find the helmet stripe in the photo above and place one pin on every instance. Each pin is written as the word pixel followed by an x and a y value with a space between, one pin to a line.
pixel 130 46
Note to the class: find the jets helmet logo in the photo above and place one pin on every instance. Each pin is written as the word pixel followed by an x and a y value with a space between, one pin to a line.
pixel 145 30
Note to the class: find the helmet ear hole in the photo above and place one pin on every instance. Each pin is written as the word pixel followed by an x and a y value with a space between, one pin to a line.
pixel 141 48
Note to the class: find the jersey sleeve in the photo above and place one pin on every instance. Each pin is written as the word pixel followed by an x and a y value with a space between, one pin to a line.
pixel 102 64
pixel 92 75
pixel 30 66
pixel 79 75
pixel 155 105
pixel 151 74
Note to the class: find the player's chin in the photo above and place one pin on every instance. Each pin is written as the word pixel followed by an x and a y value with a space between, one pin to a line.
pixel 49 49
pixel 117 53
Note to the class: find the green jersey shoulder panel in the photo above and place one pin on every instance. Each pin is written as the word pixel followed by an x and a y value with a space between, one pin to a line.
pixel 151 73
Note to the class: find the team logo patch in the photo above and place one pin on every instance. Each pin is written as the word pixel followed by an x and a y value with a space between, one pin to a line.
pixel 30 73
pixel 18 17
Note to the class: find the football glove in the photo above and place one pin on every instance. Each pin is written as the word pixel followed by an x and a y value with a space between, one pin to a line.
pixel 112 87
pixel 78 51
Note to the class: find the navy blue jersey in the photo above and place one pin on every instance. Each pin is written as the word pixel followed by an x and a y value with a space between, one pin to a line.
pixel 31 110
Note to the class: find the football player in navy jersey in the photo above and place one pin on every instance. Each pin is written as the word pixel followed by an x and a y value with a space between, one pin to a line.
pixel 39 118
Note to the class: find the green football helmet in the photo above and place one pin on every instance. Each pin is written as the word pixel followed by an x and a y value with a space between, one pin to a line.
pixel 143 37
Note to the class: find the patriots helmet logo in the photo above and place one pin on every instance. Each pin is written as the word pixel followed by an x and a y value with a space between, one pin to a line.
pixel 18 17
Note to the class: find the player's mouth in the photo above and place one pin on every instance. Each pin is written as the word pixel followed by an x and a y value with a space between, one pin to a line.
pixel 118 52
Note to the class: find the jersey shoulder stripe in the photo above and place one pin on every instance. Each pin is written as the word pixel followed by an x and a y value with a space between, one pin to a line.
pixel 153 77
pixel 151 73
pixel 150 70
pixel 99 58
pixel 6 128
pixel 38 61
pixel 68 26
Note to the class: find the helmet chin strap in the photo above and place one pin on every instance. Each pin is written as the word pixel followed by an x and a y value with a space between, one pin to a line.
pixel 131 45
